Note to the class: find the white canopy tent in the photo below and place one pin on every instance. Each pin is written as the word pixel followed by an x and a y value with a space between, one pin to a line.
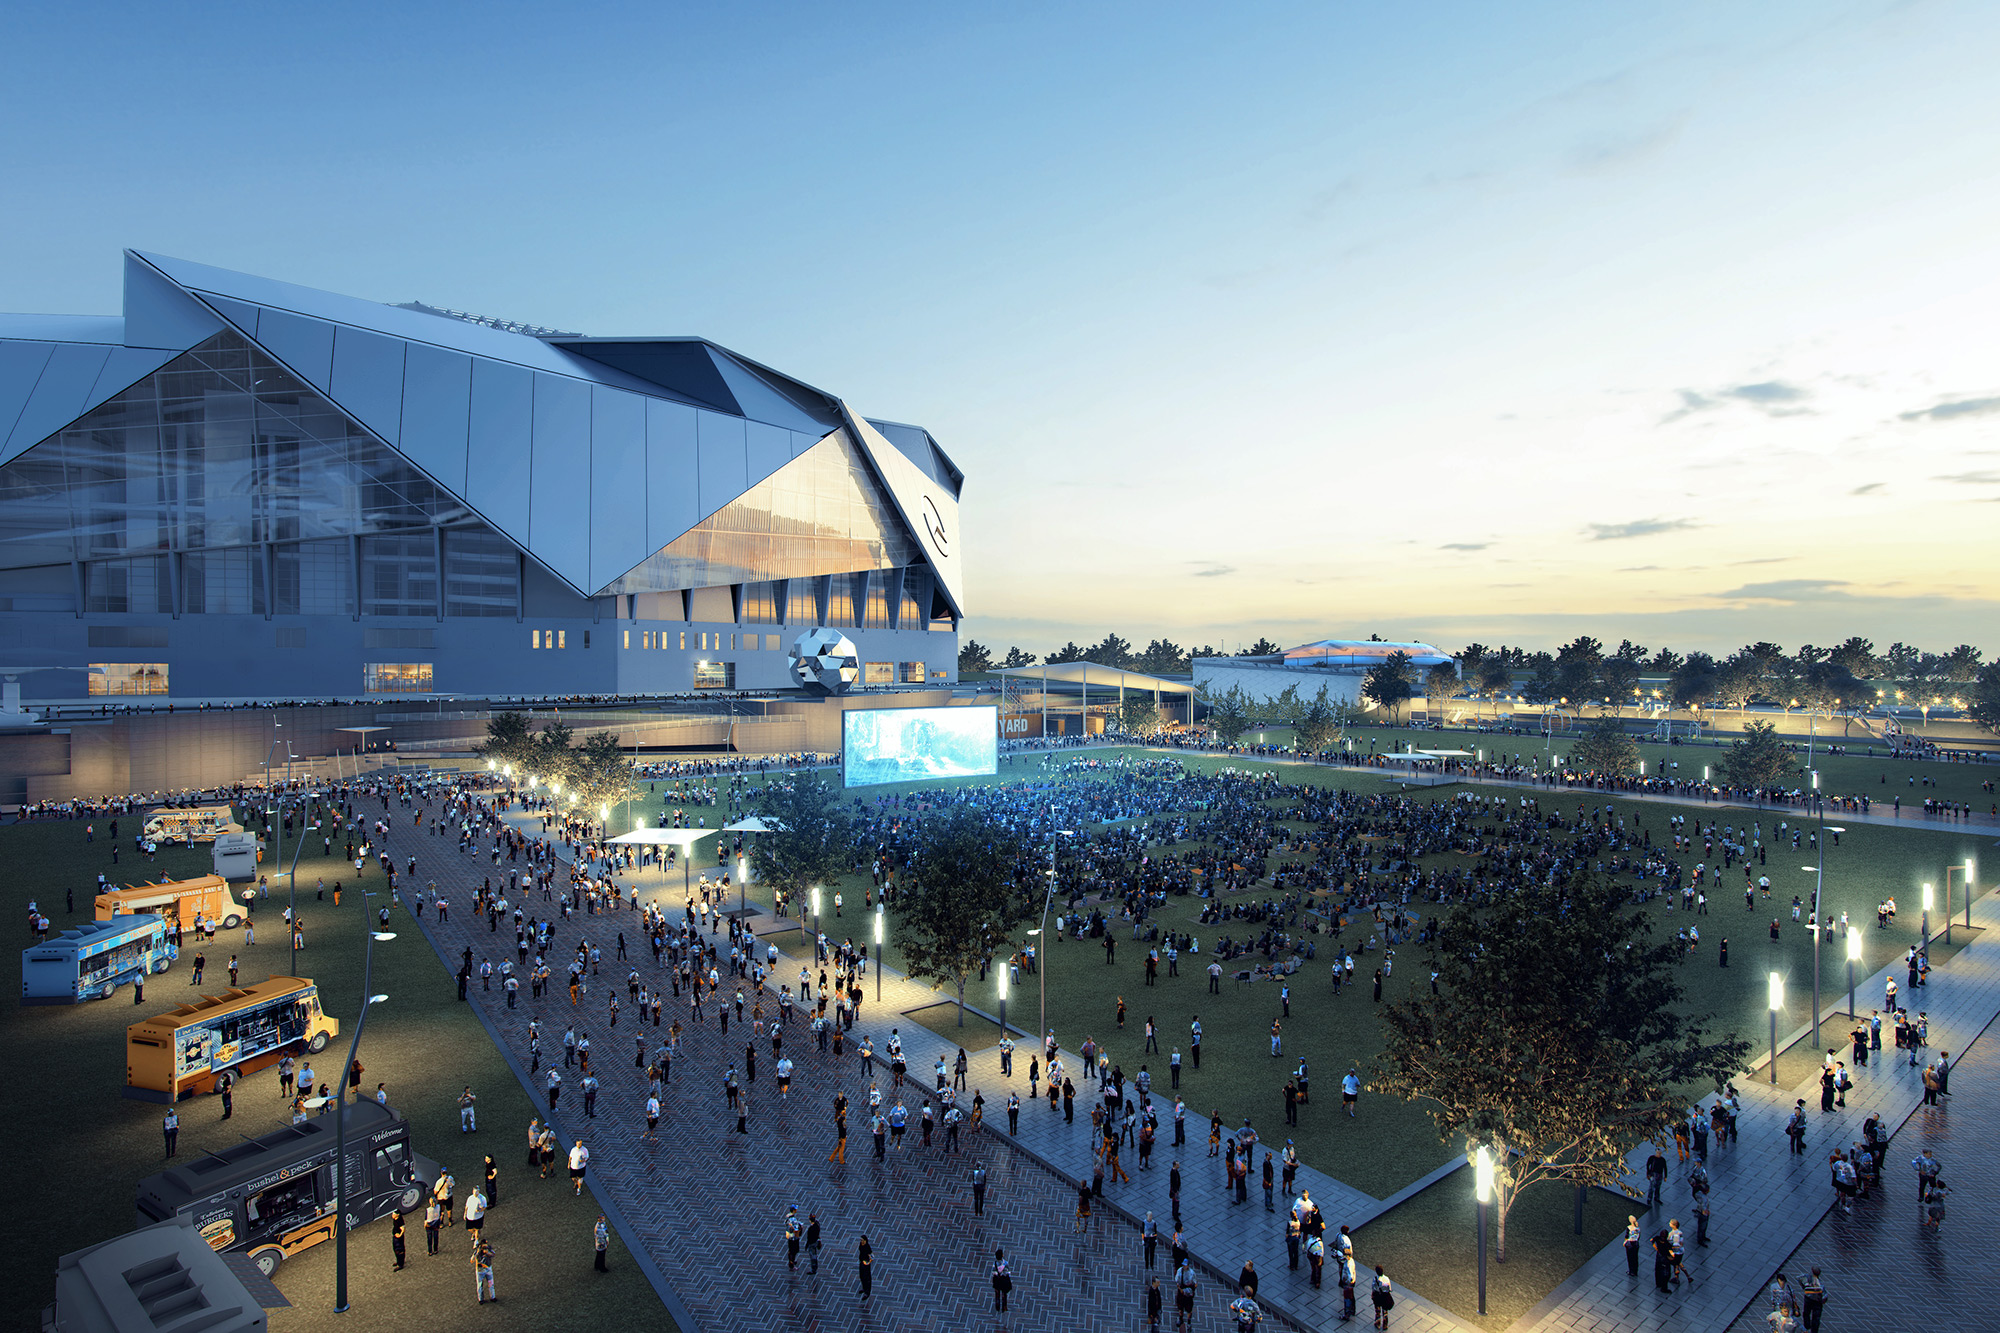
pixel 683 838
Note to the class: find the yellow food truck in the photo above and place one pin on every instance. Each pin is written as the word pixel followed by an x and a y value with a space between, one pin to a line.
pixel 244 1029
pixel 178 900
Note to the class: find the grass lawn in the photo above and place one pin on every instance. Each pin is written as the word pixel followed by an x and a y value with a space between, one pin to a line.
pixel 92 1145
pixel 1429 1243
pixel 1394 1143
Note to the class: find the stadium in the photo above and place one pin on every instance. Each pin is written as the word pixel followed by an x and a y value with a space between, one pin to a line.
pixel 242 489
pixel 1337 665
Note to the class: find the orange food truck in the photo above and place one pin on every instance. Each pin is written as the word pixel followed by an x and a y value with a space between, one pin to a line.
pixel 184 1051
pixel 178 900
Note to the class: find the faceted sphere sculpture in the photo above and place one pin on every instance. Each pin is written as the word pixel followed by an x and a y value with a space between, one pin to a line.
pixel 825 661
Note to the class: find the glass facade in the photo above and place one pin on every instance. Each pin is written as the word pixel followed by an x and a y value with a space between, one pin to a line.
pixel 482 573
pixel 221 447
pixel 760 603
pixel 396 678
pixel 822 513
pixel 108 678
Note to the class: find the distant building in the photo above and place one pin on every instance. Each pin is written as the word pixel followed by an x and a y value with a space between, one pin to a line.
pixel 1337 665
pixel 247 489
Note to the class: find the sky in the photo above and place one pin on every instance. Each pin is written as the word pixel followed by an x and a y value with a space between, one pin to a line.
pixel 1455 322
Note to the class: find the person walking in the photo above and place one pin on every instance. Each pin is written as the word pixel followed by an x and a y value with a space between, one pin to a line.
pixel 1656 1177
pixel 170 1126
pixel 579 1162
pixel 1381 1291
pixel 396 1243
pixel 1795 1129
pixel 1003 1281
pixel 433 1223
pixel 601 1243
pixel 468 1121
pixel 482 1273
pixel 1632 1244
pixel 864 1262
pixel 979 1191
pixel 1812 1301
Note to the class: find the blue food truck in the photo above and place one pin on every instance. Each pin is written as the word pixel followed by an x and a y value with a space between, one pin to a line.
pixel 95 959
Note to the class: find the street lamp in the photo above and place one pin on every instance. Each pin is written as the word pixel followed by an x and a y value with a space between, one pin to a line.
pixel 1929 896
pixel 1003 999
pixel 1777 1003
pixel 1041 971
pixel 879 909
pixel 340 1119
pixel 1949 871
pixel 1853 957
pixel 1482 1167
pixel 815 907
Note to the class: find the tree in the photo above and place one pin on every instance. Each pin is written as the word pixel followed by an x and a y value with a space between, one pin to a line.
pixel 1018 658
pixel 1138 715
pixel 1544 687
pixel 1559 1070
pixel 1315 725
pixel 1069 652
pixel 550 758
pixel 1618 675
pixel 1387 684
pixel 1495 676
pixel 1759 761
pixel 1735 683
pixel 974 657
pixel 1857 658
pixel 1984 705
pixel 1441 685
pixel 1163 658
pixel 1901 661
pixel 812 841
pixel 1228 712
pixel 1577 664
pixel 1665 662
pixel 1962 663
pixel 1692 684
pixel 1207 650
pixel 1280 710
pixel 600 774
pixel 1606 749
pixel 958 905
pixel 1262 648
pixel 508 738
pixel 1113 652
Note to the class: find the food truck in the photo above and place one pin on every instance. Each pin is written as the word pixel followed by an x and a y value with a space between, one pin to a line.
pixel 199 824
pixel 184 1051
pixel 93 960
pixel 273 1196
pixel 182 901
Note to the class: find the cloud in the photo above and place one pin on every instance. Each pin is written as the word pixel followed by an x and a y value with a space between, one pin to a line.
pixel 1773 398
pixel 1869 489
pixel 1950 411
pixel 1763 560
pixel 1211 570
pixel 1788 590
pixel 1644 527
pixel 1988 477
pixel 1640 569
pixel 1612 151
pixel 1465 546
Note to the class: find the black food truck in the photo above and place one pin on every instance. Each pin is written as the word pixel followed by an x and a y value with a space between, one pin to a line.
pixel 273 1196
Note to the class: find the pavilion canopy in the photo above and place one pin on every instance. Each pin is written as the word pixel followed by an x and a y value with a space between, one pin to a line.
pixel 1092 675
pixel 675 837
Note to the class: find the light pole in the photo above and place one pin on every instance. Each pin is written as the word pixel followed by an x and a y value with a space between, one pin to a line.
pixel 1929 895
pixel 1853 957
pixel 1041 963
pixel 1949 871
pixel 340 1117
pixel 880 907
pixel 1777 1003
pixel 815 938
pixel 1482 1166
pixel 1003 998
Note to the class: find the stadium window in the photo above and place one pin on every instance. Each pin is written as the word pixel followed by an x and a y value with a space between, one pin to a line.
pixel 396 678
pixel 562 638
pixel 586 638
pixel 684 640
pixel 534 638
pixel 878 673
pixel 628 637
pixel 128 677
pixel 913 673
pixel 715 675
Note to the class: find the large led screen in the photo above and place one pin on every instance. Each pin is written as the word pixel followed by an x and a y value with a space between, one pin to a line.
pixel 910 744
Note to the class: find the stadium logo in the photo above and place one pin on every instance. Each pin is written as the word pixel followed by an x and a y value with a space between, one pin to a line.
pixel 934 526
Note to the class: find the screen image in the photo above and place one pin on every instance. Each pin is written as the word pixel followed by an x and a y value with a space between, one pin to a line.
pixel 911 744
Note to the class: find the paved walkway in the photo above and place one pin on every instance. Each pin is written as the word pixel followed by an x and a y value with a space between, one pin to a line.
pixel 703 1207
pixel 1881 1267
pixel 1765 1201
